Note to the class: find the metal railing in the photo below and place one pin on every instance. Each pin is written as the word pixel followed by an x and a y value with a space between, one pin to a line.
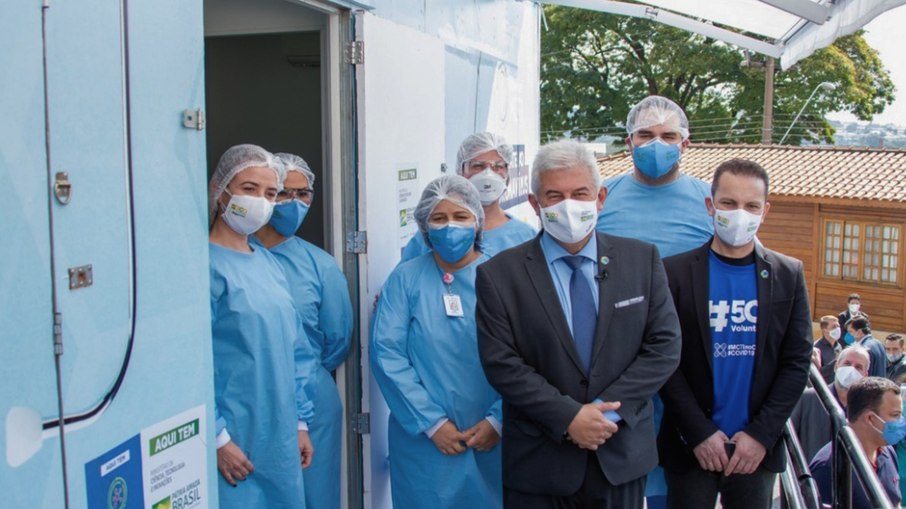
pixel 799 488
pixel 851 461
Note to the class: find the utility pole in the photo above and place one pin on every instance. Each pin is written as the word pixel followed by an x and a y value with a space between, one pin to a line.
pixel 767 127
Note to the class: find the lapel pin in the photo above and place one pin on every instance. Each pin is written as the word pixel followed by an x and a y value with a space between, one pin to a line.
pixel 605 260
pixel 764 274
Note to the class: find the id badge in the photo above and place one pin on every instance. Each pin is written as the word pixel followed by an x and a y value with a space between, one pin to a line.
pixel 453 305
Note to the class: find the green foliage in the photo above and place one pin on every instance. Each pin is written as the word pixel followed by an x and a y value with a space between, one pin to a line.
pixel 595 66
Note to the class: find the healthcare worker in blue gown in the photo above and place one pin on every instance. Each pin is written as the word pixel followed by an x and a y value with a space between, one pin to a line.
pixel 445 418
pixel 322 300
pixel 259 398
pixel 485 159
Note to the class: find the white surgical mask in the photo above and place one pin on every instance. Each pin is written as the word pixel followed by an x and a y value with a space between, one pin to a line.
pixel 894 357
pixel 490 186
pixel 247 214
pixel 570 220
pixel 854 308
pixel 736 227
pixel 834 333
pixel 846 376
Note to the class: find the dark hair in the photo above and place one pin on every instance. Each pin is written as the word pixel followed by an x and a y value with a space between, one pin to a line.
pixel 866 394
pixel 740 167
pixel 852 297
pixel 859 323
pixel 895 337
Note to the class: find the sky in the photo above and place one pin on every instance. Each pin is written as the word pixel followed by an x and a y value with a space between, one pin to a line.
pixel 887 34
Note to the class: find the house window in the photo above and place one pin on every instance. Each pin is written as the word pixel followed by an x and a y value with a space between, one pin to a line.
pixel 861 251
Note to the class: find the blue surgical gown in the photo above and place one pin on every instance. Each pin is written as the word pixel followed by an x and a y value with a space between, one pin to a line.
pixel 509 234
pixel 427 366
pixel 322 300
pixel 259 395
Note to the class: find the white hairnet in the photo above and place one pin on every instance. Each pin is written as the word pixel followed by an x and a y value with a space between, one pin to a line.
pixel 656 110
pixel 479 143
pixel 293 162
pixel 453 188
pixel 233 161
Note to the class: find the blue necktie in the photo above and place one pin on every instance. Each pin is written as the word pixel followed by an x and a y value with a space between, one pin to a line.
pixel 584 313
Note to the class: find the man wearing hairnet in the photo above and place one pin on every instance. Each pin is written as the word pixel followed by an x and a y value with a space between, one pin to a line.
pixel 260 405
pixel 657 203
pixel 445 418
pixel 484 159
pixel 322 300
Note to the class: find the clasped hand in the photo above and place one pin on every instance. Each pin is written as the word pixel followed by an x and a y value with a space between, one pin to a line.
pixel 589 428
pixel 481 437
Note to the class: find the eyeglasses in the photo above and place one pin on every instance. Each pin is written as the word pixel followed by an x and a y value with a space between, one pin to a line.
pixel 477 166
pixel 301 194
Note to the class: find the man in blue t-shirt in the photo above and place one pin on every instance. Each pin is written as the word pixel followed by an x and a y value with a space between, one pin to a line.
pixel 656 202
pixel 741 306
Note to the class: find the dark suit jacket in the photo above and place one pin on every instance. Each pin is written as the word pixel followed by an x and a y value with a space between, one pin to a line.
pixel 782 356
pixel 529 356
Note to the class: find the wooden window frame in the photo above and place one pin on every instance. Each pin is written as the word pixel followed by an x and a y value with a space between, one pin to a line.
pixel 864 223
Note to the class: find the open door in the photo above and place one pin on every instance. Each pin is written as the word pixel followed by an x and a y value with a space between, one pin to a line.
pixel 400 148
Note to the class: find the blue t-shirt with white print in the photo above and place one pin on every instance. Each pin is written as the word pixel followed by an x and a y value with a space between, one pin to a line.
pixel 733 305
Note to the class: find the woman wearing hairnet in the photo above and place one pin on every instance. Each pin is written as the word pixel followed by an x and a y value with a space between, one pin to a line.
pixel 444 416
pixel 484 159
pixel 259 399
pixel 322 300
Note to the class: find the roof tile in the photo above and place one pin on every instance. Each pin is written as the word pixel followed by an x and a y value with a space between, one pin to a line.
pixel 829 172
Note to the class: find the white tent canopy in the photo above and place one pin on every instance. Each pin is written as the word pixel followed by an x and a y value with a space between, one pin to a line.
pixel 789 30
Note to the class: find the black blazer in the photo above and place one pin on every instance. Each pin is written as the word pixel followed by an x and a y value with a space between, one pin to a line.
pixel 530 358
pixel 782 355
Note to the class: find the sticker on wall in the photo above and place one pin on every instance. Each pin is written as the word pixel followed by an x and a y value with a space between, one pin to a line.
pixel 165 465
pixel 408 193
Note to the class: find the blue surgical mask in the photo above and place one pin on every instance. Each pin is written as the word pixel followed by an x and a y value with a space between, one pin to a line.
pixel 656 158
pixel 288 216
pixel 848 338
pixel 452 241
pixel 893 431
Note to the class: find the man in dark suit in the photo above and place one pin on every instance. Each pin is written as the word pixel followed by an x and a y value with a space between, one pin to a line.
pixel 577 332
pixel 746 350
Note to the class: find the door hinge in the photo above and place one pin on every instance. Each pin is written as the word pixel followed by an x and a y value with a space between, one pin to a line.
pixel 357 242
pixel 58 334
pixel 193 119
pixel 355 53
pixel 361 423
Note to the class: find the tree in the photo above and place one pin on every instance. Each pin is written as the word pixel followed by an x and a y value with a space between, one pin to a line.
pixel 595 66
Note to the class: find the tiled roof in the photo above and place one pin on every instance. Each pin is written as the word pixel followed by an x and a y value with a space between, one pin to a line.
pixel 878 175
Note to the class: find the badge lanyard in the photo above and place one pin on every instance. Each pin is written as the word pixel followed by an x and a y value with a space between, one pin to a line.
pixel 452 303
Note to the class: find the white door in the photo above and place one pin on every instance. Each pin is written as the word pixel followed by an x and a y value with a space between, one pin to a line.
pixel 400 127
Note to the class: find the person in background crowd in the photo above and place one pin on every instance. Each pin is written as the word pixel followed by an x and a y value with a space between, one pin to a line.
pixel 853 310
pixel 657 135
pixel 860 330
pixel 810 420
pixel 876 417
pixel 322 300
pixel 723 417
pixel 485 159
pixel 444 416
pixel 828 346
pixel 896 362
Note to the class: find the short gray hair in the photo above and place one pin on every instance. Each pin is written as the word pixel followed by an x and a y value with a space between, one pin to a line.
pixel 560 155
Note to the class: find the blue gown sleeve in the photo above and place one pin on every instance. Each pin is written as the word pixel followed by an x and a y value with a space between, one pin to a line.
pixel 414 248
pixel 306 363
pixel 219 421
pixel 400 383
pixel 335 316
pixel 496 410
